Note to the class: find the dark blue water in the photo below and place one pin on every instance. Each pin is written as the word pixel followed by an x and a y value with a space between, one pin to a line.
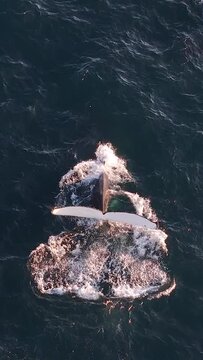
pixel 74 73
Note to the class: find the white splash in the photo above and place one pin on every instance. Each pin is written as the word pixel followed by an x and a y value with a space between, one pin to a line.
pixel 102 259
pixel 106 160
pixel 110 261
pixel 142 206
pixel 150 243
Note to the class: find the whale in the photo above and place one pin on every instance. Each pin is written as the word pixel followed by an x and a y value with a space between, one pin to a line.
pixel 98 210
pixel 100 193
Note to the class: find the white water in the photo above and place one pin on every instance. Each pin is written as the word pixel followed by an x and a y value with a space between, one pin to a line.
pixel 106 160
pixel 100 260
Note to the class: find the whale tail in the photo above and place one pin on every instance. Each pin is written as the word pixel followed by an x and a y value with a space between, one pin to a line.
pixel 120 217
pixel 100 201
pixel 100 195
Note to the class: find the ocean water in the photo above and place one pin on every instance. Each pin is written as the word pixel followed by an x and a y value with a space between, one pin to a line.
pixel 74 74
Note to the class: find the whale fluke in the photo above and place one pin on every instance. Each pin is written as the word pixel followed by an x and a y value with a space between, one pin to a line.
pixel 121 217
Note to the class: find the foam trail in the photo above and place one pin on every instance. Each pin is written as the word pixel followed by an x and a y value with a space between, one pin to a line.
pixel 121 217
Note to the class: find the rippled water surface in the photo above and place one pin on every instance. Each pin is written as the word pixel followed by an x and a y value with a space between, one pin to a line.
pixel 74 73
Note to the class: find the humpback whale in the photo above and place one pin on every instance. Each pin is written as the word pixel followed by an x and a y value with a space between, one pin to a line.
pixel 100 200
pixel 119 217
pixel 100 195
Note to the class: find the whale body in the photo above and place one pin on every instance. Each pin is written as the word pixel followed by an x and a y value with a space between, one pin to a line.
pixel 100 195
pixel 121 217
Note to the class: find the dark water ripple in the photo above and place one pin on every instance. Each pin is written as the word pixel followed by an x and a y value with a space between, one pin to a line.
pixel 74 73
